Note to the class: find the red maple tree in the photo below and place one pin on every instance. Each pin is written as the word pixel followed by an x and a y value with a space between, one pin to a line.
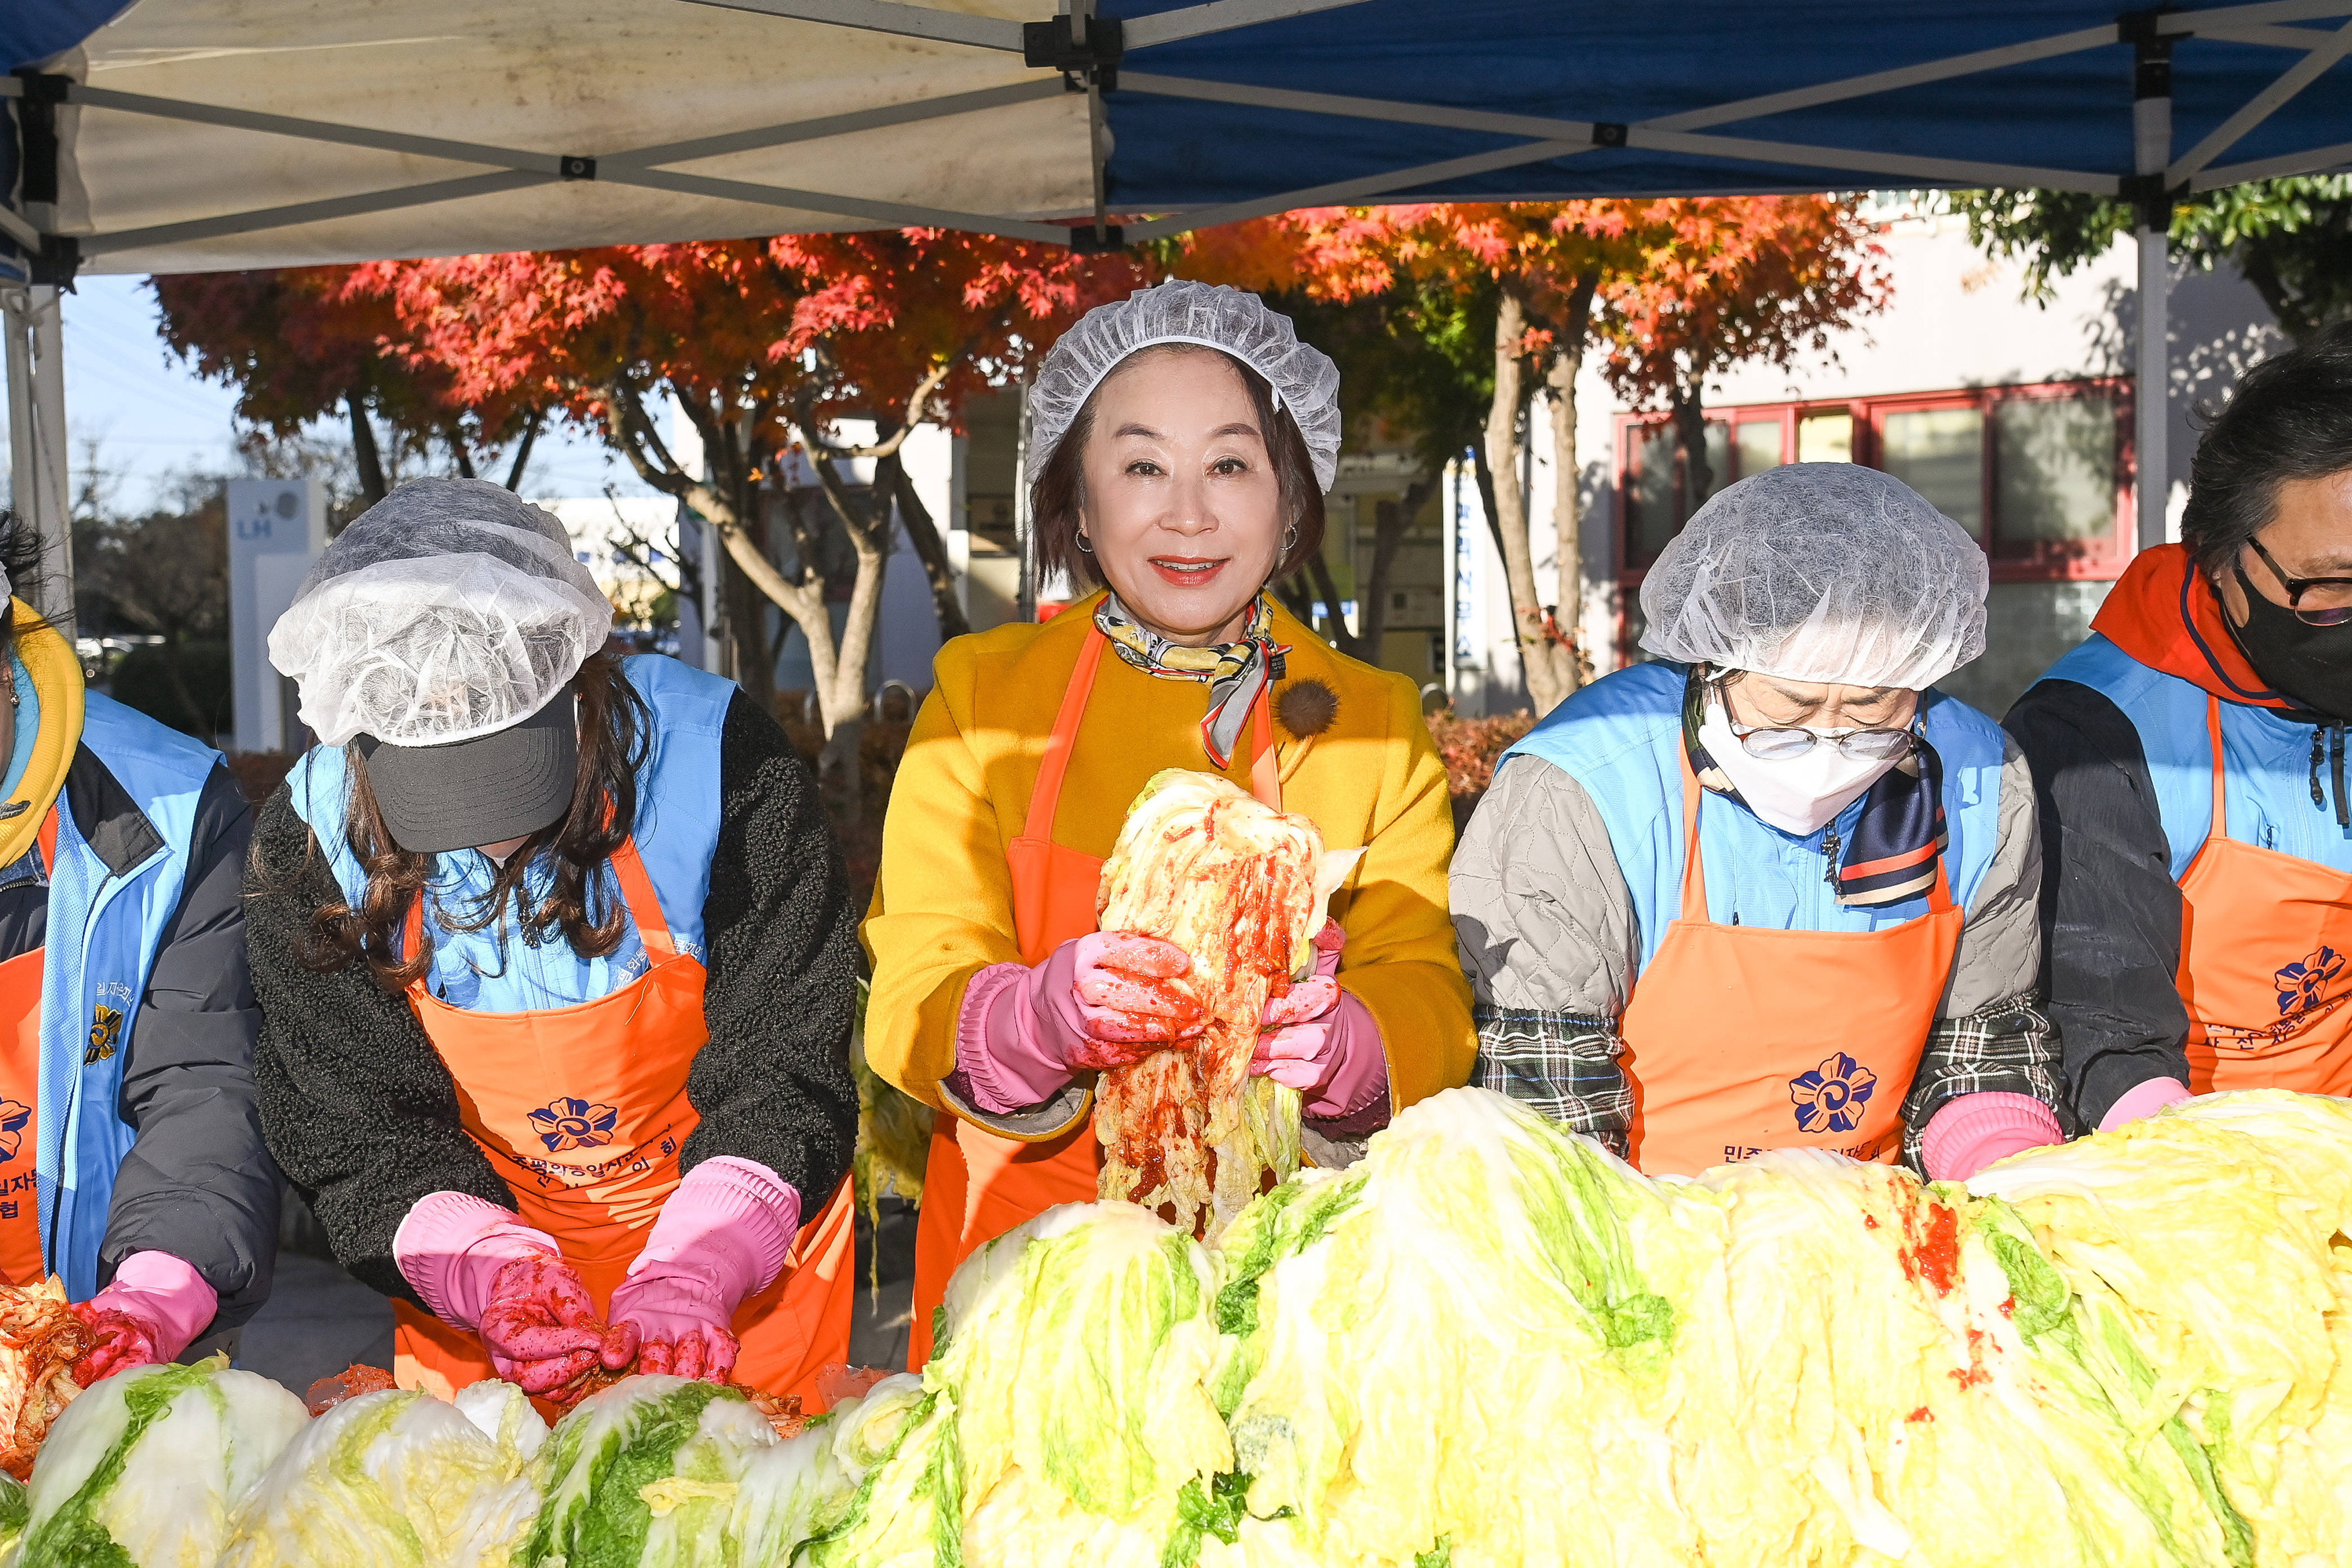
pixel 297 345
pixel 1678 290
pixel 765 347
pixel 1726 281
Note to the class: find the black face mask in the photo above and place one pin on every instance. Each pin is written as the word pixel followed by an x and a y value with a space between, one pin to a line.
pixel 2313 664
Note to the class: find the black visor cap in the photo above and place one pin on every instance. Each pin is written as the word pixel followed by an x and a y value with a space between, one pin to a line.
pixel 486 790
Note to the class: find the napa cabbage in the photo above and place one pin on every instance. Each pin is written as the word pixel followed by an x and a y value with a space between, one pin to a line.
pixel 397 1479
pixel 644 1475
pixel 145 1470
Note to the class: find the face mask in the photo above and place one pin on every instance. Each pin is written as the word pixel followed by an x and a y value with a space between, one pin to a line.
pixel 1801 795
pixel 2311 664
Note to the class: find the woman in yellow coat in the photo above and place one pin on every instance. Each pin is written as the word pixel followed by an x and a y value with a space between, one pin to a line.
pixel 1183 439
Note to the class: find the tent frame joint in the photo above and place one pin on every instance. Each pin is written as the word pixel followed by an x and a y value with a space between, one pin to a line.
pixel 43 87
pixel 2151 198
pixel 1086 60
pixel 1608 132
pixel 2140 30
pixel 1089 239
pixel 575 166
pixel 59 261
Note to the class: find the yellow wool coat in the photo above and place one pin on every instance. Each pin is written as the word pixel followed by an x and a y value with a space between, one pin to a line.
pixel 942 906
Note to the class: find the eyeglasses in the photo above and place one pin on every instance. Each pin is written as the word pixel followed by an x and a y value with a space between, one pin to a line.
pixel 2320 615
pixel 1778 745
pixel 1787 745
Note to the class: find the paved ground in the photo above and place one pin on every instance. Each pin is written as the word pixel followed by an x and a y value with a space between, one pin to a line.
pixel 320 1320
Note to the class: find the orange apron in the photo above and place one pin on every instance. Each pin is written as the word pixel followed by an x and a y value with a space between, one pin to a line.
pixel 976 1184
pixel 1741 1038
pixel 21 1261
pixel 2263 940
pixel 583 1111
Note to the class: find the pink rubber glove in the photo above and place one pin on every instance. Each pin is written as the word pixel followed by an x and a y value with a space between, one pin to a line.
pixel 153 1309
pixel 721 1239
pixel 457 1250
pixel 1972 1131
pixel 1102 1000
pixel 2144 1100
pixel 1321 1040
pixel 541 1326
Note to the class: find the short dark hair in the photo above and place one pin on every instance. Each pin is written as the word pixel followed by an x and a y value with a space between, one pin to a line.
pixel 1058 497
pixel 2290 418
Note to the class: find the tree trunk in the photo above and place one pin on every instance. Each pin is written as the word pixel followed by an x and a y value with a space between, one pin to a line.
pixel 923 533
pixel 523 452
pixel 364 456
pixel 455 434
pixel 747 633
pixel 1391 521
pixel 1568 512
pixel 1690 432
pixel 1505 451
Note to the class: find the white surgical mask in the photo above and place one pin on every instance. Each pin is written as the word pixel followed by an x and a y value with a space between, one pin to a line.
pixel 1801 795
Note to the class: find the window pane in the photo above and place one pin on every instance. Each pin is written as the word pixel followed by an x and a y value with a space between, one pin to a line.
pixel 1825 438
pixel 1650 519
pixel 2054 468
pixel 1718 463
pixel 1940 452
pixel 1759 447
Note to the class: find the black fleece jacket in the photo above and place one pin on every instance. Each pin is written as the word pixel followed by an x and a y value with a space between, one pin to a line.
pixel 363 1117
pixel 2111 911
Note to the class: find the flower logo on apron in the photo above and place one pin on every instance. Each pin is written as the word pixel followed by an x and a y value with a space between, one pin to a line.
pixel 13 1118
pixel 2304 984
pixel 1830 1097
pixel 569 1123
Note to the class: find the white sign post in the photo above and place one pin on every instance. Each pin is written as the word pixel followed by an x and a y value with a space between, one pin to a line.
pixel 277 528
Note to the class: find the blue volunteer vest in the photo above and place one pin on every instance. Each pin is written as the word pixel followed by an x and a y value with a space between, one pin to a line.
pixel 2266 759
pixel 1621 738
pixel 677 833
pixel 104 931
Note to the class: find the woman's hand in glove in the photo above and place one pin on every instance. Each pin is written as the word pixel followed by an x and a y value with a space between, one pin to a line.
pixel 1132 995
pixel 118 1340
pixel 1102 1000
pixel 155 1306
pixel 1303 1029
pixel 540 1327
pixel 680 1325
pixel 721 1238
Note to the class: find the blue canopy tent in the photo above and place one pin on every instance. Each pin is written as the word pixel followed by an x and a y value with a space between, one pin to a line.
pixel 178 135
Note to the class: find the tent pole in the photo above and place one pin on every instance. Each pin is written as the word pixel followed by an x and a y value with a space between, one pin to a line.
pixel 2152 384
pixel 37 448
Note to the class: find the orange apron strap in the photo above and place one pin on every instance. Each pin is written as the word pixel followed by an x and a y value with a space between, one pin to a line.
pixel 1266 768
pixel 50 841
pixel 645 904
pixel 1046 799
pixel 1693 873
pixel 2220 829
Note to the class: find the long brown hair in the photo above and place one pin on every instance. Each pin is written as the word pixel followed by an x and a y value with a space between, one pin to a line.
pixel 615 735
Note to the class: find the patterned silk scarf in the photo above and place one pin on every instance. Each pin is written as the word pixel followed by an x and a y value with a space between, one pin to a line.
pixel 1901 831
pixel 1237 673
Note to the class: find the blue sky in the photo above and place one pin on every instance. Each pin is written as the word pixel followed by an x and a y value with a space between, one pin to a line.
pixel 151 417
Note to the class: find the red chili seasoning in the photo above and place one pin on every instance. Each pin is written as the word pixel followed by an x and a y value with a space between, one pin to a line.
pixel 1932 1253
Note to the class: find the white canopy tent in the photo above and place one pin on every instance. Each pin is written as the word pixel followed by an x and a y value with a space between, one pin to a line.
pixel 187 135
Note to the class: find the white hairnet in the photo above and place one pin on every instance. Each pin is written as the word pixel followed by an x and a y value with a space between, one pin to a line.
pixel 449 609
pixel 1819 572
pixel 1303 379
